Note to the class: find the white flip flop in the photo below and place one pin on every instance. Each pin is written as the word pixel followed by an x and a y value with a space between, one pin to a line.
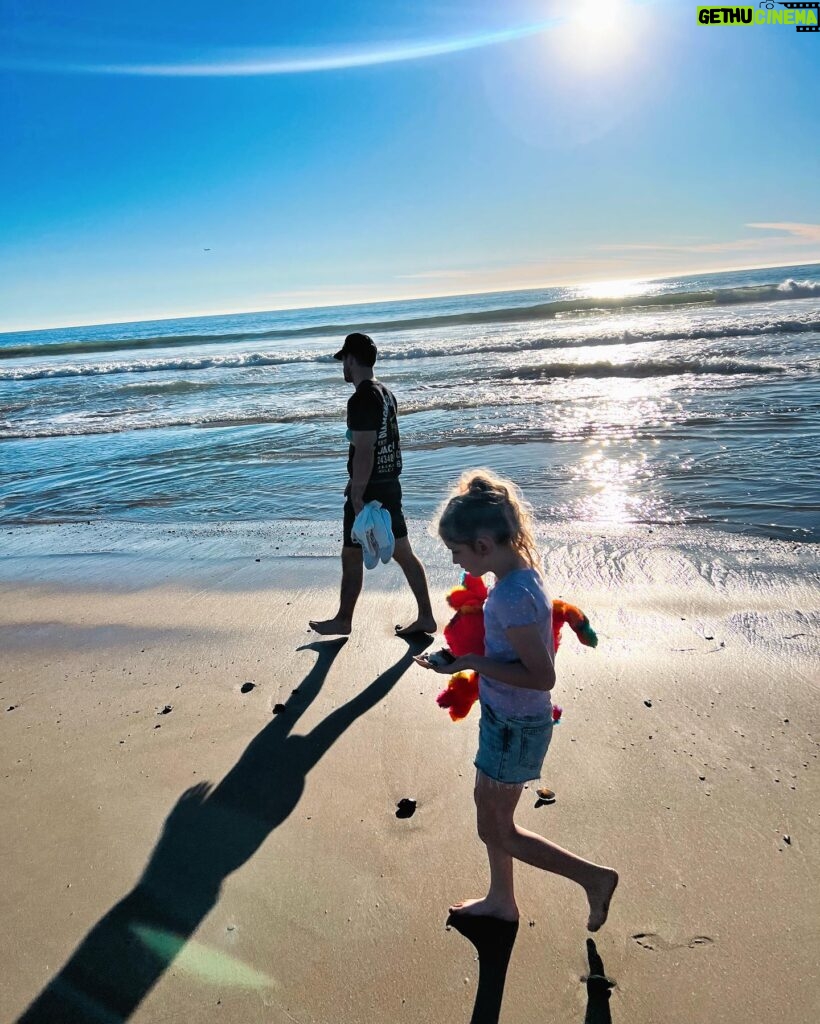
pixel 383 532
pixel 364 532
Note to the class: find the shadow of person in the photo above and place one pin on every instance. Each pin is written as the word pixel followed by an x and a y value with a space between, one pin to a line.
pixel 598 986
pixel 212 831
pixel 493 940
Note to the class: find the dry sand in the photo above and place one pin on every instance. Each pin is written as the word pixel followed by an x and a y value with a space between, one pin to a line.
pixel 291 892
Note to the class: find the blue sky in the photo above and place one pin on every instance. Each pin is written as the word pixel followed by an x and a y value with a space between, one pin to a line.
pixel 544 143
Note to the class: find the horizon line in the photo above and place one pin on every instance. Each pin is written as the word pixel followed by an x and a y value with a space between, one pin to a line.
pixel 404 298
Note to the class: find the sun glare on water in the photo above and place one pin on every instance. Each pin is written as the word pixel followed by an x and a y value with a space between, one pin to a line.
pixel 620 289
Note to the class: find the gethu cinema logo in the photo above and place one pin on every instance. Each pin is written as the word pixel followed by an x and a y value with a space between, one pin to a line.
pixel 804 16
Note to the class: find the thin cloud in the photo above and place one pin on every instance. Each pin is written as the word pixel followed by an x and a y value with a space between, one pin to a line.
pixel 802 232
pixel 436 275
pixel 791 235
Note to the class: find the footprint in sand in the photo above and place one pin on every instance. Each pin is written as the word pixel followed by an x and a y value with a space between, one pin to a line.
pixel 656 943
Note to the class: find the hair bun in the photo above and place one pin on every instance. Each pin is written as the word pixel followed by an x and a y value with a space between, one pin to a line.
pixel 484 487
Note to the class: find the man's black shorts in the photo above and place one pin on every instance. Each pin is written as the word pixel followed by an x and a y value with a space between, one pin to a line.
pixel 389 494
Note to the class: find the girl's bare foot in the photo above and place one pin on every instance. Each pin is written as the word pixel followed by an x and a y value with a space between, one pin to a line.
pixel 331 627
pixel 485 908
pixel 599 895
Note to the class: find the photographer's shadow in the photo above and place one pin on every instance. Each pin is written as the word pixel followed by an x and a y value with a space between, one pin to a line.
pixel 212 831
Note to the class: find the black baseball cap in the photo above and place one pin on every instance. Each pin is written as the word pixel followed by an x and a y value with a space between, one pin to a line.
pixel 361 347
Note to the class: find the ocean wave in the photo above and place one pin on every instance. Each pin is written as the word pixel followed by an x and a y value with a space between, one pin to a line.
pixel 162 388
pixel 84 424
pixel 561 308
pixel 148 366
pixel 657 368
pixel 424 402
pixel 633 337
pixel 428 351
pixel 799 289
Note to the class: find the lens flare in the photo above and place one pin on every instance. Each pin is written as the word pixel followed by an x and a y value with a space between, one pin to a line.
pixel 285 62
pixel 199 961
pixel 587 28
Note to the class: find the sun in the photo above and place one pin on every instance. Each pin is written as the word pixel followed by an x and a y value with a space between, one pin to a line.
pixel 597 33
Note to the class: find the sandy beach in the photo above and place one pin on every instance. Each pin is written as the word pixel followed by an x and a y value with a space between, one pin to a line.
pixel 261 262
pixel 177 849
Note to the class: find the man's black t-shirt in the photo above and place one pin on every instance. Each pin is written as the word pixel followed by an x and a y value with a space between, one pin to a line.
pixel 373 407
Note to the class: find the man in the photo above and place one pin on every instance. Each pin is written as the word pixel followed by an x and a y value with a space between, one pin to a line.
pixel 373 465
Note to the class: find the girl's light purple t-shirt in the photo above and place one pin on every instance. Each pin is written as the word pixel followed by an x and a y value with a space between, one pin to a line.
pixel 519 599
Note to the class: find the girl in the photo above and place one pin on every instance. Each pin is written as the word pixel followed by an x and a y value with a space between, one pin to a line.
pixel 486 525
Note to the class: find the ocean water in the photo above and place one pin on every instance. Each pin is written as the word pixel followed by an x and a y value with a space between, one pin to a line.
pixel 685 401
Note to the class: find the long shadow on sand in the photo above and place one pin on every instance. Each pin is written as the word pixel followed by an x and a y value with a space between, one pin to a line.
pixel 494 940
pixel 598 986
pixel 210 833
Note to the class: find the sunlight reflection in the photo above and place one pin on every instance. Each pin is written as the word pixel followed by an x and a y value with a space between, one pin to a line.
pixel 616 485
pixel 616 410
pixel 615 289
pixel 612 482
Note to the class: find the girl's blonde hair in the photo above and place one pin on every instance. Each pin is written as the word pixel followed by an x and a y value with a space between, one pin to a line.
pixel 483 503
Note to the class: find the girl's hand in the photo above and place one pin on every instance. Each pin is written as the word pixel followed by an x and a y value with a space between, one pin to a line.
pixel 456 665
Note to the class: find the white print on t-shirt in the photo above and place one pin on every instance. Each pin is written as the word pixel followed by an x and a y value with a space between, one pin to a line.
pixel 386 450
pixel 386 407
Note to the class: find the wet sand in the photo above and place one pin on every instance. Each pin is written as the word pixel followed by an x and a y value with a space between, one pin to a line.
pixel 290 891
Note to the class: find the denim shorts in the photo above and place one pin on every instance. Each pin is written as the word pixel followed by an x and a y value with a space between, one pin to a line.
pixel 512 750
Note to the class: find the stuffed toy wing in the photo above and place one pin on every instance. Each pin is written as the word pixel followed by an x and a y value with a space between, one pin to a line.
pixel 578 623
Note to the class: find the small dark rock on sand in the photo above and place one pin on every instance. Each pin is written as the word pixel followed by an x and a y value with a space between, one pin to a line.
pixel 406 807
pixel 246 687
pixel 648 703
pixel 166 710
pixel 279 708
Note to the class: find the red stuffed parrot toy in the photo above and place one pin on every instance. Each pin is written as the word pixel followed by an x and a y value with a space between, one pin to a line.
pixel 464 634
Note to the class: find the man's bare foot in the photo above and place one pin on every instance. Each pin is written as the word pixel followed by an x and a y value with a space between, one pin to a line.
pixel 599 896
pixel 421 625
pixel 331 627
pixel 485 908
